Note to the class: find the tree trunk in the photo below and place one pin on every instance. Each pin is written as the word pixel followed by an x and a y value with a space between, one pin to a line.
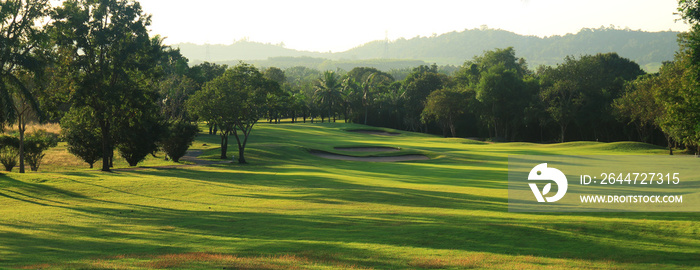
pixel 241 145
pixel 329 114
pixel 21 126
pixel 104 126
pixel 563 131
pixel 241 148
pixel 366 110
pixel 452 129
pixel 224 145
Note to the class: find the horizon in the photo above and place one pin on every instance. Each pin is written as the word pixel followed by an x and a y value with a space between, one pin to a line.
pixel 394 40
pixel 319 26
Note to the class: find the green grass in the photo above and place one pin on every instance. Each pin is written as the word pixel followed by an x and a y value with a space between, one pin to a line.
pixel 290 209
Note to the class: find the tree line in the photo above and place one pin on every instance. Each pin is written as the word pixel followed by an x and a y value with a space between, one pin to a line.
pixel 93 67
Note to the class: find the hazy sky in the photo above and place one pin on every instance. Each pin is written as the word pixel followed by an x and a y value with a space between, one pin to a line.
pixel 323 25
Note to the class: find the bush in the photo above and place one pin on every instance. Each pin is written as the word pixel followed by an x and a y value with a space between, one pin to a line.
pixel 9 150
pixel 82 134
pixel 178 139
pixel 138 140
pixel 34 146
pixel 8 157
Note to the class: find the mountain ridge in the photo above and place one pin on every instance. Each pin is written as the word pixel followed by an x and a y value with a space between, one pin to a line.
pixel 648 49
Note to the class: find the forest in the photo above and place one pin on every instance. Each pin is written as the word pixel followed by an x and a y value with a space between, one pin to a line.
pixel 93 67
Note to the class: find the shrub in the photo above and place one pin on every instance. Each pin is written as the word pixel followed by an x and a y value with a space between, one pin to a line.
pixel 81 133
pixel 178 139
pixel 34 146
pixel 9 150
pixel 8 157
pixel 138 140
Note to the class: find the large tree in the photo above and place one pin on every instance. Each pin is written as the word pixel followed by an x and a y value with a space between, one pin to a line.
pixel 502 94
pixel 683 101
pixel 639 105
pixel 581 92
pixel 563 101
pixel 235 102
pixel 446 106
pixel 418 85
pixel 21 40
pixel 328 92
pixel 112 53
pixel 679 96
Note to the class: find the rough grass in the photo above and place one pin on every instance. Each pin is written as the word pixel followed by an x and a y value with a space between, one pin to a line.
pixel 290 209
pixel 58 159
pixel 31 127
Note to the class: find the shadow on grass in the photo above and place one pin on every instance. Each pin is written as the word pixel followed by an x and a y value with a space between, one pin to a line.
pixel 333 236
pixel 615 239
pixel 407 205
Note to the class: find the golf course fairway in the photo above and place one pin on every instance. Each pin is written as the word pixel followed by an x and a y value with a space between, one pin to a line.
pixel 288 208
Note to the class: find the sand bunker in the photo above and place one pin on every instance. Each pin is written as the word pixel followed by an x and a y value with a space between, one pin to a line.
pixel 374 132
pixel 368 149
pixel 370 159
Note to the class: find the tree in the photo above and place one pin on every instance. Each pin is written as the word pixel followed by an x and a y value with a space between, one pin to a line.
pixel 215 104
pixel 418 86
pixel 327 91
pixel 639 105
pixel 690 12
pixel 179 137
pixel 205 72
pixel 276 75
pixel 21 40
pixel 174 92
pixel 35 144
pixel 234 102
pixel 682 120
pixel 582 91
pixel 112 53
pixel 563 102
pixel 352 98
pixel 470 72
pixel 502 93
pixel 446 106
pixel 9 150
pixel 679 97
pixel 80 130
pixel 139 131
pixel 499 79
pixel 25 109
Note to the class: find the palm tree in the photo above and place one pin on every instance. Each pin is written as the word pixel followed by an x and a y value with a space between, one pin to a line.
pixel 367 92
pixel 328 91
pixel 20 40
pixel 352 92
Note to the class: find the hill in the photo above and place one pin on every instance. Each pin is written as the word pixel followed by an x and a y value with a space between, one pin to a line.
pixel 648 49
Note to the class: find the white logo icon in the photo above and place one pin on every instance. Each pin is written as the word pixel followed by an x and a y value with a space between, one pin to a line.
pixel 541 172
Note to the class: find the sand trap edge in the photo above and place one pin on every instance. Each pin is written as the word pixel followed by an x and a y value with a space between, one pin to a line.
pixel 374 132
pixel 368 149
pixel 328 155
